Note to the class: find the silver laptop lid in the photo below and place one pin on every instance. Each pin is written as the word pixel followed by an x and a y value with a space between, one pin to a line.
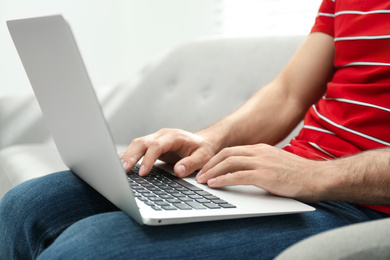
pixel 61 84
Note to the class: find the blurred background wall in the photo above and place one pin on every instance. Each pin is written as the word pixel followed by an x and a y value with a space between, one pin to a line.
pixel 117 37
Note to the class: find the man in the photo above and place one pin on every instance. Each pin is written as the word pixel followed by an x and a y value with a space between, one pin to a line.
pixel 339 161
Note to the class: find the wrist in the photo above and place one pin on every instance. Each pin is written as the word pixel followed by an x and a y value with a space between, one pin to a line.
pixel 217 135
pixel 341 180
pixel 330 180
pixel 325 180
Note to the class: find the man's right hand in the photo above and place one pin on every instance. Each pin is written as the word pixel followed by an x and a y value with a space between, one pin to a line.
pixel 188 151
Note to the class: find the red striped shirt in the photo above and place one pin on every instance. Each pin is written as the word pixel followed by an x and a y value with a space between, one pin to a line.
pixel 354 114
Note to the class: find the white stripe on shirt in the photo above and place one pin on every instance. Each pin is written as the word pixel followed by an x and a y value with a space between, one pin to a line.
pixel 358 103
pixel 326 159
pixel 318 129
pixel 354 38
pixel 348 129
pixel 385 11
pixel 325 14
pixel 364 63
pixel 322 150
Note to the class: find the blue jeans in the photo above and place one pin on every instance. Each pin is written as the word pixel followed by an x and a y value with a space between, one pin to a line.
pixel 60 217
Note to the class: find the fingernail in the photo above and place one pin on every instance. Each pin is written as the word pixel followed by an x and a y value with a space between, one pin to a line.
pixel 199 173
pixel 142 170
pixel 200 176
pixel 181 170
pixel 211 182
pixel 121 154
pixel 124 164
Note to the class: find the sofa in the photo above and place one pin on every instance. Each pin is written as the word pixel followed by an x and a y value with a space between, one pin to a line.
pixel 188 87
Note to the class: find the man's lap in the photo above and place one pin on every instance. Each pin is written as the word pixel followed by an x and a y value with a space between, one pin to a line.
pixel 62 208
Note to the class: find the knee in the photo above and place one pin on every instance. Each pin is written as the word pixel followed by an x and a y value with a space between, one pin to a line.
pixel 28 197
pixel 15 203
pixel 21 209
pixel 14 209
pixel 31 198
pixel 104 236
pixel 8 212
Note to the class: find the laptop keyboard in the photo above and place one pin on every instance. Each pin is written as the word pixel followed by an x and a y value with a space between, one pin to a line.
pixel 163 191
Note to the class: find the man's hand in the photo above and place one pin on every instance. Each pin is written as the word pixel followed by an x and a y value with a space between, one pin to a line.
pixel 189 151
pixel 361 178
pixel 275 170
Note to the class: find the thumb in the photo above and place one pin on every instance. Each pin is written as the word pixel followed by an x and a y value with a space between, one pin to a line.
pixel 191 163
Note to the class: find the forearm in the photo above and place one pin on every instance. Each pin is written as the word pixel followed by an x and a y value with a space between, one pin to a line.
pixel 267 117
pixel 363 178
pixel 277 108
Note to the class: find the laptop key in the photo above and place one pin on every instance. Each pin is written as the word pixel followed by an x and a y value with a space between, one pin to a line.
pixel 174 201
pixel 204 193
pixel 227 206
pixel 182 206
pixel 188 192
pixel 195 197
pixel 155 198
pixel 219 201
pixel 166 197
pixel 185 199
pixel 211 197
pixel 212 205
pixel 195 205
pixel 160 192
pixel 203 200
pixel 187 185
pixel 169 208
pixel 177 194
pixel 162 203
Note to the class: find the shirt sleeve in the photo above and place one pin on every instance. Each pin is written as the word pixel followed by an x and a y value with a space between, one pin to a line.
pixel 325 18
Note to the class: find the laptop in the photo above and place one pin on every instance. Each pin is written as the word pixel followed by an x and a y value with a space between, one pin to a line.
pixel 61 84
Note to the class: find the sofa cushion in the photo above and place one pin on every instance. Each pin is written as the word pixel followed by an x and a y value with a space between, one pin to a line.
pixel 23 162
pixel 362 241
pixel 197 83
pixel 21 121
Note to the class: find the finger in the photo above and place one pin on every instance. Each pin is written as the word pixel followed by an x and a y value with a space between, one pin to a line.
pixel 191 163
pixel 228 165
pixel 134 152
pixel 235 178
pixel 138 148
pixel 225 153
pixel 155 149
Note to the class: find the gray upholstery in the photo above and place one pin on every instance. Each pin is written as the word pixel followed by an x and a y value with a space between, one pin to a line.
pixel 21 121
pixel 198 83
pixel 356 242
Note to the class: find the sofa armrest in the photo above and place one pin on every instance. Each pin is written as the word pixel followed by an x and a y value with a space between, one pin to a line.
pixel 21 121
pixel 369 240
pixel 20 163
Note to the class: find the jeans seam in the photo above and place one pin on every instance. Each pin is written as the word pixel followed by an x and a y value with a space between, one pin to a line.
pixel 52 233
